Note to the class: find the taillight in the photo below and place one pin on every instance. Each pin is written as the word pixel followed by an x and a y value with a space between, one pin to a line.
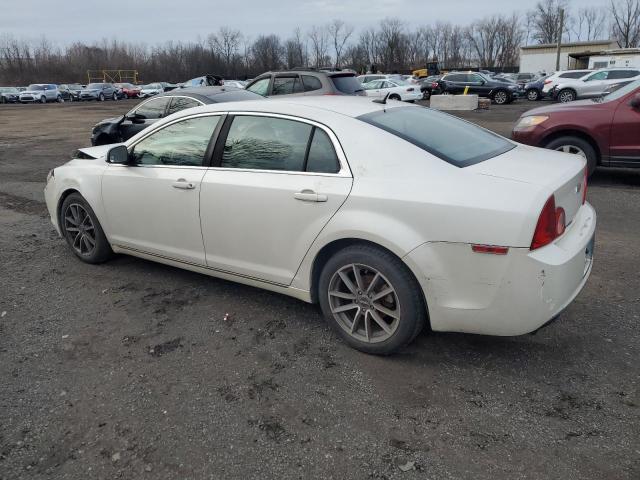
pixel 547 82
pixel 434 85
pixel 584 185
pixel 551 224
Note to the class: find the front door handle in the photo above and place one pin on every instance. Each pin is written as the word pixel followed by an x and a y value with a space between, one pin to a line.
pixel 309 196
pixel 182 184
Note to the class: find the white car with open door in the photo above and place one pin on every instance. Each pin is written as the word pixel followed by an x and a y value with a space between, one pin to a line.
pixel 396 90
pixel 347 202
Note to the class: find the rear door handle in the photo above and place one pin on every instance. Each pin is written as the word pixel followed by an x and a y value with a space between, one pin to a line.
pixel 309 196
pixel 182 184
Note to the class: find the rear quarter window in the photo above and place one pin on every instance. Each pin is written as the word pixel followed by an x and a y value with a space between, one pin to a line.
pixel 453 140
pixel 348 84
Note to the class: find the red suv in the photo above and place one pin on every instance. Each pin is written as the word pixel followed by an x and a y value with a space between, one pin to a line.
pixel 604 130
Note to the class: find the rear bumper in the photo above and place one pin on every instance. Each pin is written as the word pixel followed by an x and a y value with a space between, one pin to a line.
pixel 505 295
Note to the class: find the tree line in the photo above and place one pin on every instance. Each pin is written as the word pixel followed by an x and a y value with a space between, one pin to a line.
pixel 492 42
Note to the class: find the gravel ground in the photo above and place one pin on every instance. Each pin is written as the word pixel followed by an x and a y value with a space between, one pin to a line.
pixel 137 370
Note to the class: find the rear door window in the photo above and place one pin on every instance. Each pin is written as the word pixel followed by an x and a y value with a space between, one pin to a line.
pixel 322 156
pixel 286 85
pixel 453 140
pixel 311 83
pixel 266 143
pixel 573 74
pixel 348 84
pixel 181 103
pixel 153 108
pixel 617 74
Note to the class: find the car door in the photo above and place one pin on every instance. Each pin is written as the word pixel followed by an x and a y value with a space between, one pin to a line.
pixel 374 90
pixel 593 85
pixel 152 204
pixel 624 145
pixel 145 114
pixel 477 85
pixel 275 183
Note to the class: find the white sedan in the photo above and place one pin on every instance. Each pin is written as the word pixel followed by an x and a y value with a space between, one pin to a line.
pixel 346 202
pixel 394 88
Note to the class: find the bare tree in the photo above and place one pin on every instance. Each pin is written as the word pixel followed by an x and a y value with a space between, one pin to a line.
pixel 339 32
pixel 392 44
pixel 226 44
pixel 544 20
pixel 267 52
pixel 626 22
pixel 589 23
pixel 319 45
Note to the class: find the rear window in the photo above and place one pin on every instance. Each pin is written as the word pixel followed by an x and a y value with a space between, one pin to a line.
pixel 453 140
pixel 578 74
pixel 348 84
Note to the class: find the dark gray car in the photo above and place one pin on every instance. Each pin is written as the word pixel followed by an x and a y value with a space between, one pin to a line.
pixel 99 92
pixel 120 129
pixel 306 82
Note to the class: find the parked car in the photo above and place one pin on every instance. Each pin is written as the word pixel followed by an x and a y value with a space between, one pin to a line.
pixel 306 82
pixel 592 85
pixel 9 94
pixel 150 90
pixel 603 130
pixel 461 228
pixel 519 78
pixel 234 83
pixel 128 90
pixel 204 81
pixel 99 92
pixel 563 76
pixel 395 89
pixel 167 86
pixel 122 128
pixel 73 91
pixel 533 89
pixel 370 77
pixel 498 91
pixel 427 85
pixel 41 92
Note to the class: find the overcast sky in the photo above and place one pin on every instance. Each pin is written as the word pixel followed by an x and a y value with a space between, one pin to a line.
pixel 153 21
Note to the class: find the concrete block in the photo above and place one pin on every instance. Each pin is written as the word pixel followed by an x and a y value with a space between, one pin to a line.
pixel 454 102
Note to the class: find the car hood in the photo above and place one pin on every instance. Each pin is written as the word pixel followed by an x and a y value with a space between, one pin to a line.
pixel 90 90
pixel 32 92
pixel 577 106
pixel 93 152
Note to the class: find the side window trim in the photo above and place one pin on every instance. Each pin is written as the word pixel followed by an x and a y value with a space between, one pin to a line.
pixel 206 161
pixel 221 138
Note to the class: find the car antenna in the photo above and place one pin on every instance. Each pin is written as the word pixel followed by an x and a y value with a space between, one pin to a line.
pixel 382 101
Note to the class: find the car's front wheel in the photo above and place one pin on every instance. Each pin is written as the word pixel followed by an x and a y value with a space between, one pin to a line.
pixel 566 95
pixel 114 96
pixel 43 99
pixel 82 230
pixel 533 94
pixel 577 146
pixel 101 97
pixel 394 96
pixel 371 299
pixel 500 97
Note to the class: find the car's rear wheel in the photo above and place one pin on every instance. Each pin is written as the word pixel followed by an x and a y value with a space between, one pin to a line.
pixel 59 99
pixel 371 299
pixel 577 146
pixel 566 95
pixel 533 94
pixel 43 99
pixel 82 230
pixel 114 96
pixel 500 97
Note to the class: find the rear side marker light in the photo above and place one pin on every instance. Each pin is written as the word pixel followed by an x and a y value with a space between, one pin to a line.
pixel 493 249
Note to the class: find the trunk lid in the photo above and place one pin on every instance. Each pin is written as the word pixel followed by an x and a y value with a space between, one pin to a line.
pixel 560 174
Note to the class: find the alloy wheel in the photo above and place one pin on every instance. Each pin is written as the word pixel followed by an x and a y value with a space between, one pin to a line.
pixel 500 98
pixel 79 228
pixel 566 96
pixel 571 149
pixel 364 303
pixel 532 95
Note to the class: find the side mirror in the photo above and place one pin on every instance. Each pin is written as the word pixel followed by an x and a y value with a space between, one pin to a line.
pixel 134 117
pixel 635 101
pixel 118 155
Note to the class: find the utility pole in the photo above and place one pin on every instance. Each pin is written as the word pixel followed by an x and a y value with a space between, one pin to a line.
pixel 559 36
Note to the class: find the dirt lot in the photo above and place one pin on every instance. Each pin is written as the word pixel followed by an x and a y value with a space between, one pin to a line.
pixel 130 370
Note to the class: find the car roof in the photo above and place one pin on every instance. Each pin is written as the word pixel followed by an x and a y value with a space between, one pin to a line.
pixel 312 107
pixel 214 94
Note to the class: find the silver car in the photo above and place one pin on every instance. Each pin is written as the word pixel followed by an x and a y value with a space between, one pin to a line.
pixel 594 84
pixel 41 92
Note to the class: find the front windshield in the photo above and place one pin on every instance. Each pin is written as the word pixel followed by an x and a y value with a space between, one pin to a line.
pixel 94 86
pixel 35 86
pixel 622 91
pixel 151 86
pixel 74 86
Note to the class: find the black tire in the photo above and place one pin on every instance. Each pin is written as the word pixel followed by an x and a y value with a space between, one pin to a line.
pixel 101 251
pixel 406 289
pixel 580 143
pixel 533 94
pixel 3 100
pixel 59 99
pixel 501 97
pixel 394 97
pixel 114 96
pixel 566 95
pixel 101 97
pixel 43 99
